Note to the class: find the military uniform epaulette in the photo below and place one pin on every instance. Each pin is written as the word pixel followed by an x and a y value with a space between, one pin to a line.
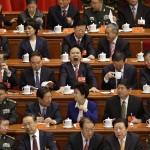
pixel 112 8
pixel 10 137
pixel 10 100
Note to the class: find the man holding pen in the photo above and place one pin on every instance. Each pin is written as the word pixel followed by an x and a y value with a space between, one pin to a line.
pixel 44 109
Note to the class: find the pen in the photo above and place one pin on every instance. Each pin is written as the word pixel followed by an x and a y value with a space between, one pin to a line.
pixel 40 114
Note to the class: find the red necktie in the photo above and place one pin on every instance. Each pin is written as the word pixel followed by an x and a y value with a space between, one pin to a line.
pixel 76 71
pixel 64 13
pixel 35 147
pixel 78 42
pixel 112 48
pixel 86 144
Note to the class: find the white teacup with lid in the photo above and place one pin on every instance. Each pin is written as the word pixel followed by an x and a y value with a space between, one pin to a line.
pixel 102 56
pixel 67 89
pixel 57 29
pixel 92 27
pixel 26 89
pixel 146 88
pixel 108 122
pixel 118 75
pixel 67 123
pixel 148 122
pixel 64 57
pixel 20 28
pixel 140 56
pixel 25 57
pixel 125 27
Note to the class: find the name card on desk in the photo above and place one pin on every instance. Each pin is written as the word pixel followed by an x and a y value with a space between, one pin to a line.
pixel 102 29
pixel 137 29
pixel 41 125
pixel 2 31
pixel 68 30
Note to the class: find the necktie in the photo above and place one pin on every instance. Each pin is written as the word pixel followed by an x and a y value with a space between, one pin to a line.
pixel 76 71
pixel 112 48
pixel 64 14
pixel 123 110
pixel 35 147
pixel 43 112
pixel 134 12
pixel 78 42
pixel 122 145
pixel 86 144
pixel 37 82
pixel 1 78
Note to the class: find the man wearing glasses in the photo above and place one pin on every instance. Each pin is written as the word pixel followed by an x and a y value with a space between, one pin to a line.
pixel 124 105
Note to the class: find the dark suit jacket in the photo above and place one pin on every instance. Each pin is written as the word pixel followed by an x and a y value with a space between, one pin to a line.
pixel 86 44
pixel 91 113
pixel 27 77
pixel 46 140
pixel 55 18
pixel 129 73
pixel 12 79
pixel 121 45
pixel 41 47
pixel 144 76
pixel 125 15
pixel 53 111
pixel 3 19
pixel 67 75
pixel 132 142
pixel 135 106
pixel 75 142
pixel 24 16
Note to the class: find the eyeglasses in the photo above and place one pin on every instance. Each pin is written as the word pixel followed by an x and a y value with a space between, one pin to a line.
pixel 27 124
pixel 121 88
pixel 48 97
pixel 121 129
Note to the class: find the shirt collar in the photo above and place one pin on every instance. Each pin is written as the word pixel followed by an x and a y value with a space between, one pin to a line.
pixel 36 134
pixel 65 9
pixel 124 140
pixel 85 104
pixel 41 107
pixel 122 70
pixel 114 41
pixel 126 100
pixel 136 6
pixel 77 38
pixel 39 71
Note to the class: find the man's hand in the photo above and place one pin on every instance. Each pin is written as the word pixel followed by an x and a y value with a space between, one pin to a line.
pixel 61 90
pixel 91 57
pixel 81 107
pixel 69 20
pixel 135 120
pixel 109 75
pixel 49 120
pixel 5 67
pixel 40 119
pixel 13 20
pixel 94 89
pixel 50 84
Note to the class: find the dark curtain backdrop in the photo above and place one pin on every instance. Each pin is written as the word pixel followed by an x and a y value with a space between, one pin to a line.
pixel 20 5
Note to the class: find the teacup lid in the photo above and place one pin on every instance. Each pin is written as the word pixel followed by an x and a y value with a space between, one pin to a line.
pixel 102 53
pixel 145 85
pixel 20 25
pixel 67 85
pixel 108 119
pixel 126 23
pixel 93 24
pixel 27 86
pixel 26 54
pixel 58 25
pixel 65 53
pixel 68 119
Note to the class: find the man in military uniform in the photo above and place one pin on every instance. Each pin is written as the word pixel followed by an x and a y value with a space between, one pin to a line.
pixel 6 142
pixel 98 13
pixel 7 106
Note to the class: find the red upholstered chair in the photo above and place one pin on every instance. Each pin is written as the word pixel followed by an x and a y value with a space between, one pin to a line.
pixel 145 45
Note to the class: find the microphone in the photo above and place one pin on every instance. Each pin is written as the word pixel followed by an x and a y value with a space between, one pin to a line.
pixel 39 22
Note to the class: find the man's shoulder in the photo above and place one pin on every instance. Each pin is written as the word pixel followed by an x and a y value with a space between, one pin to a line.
pixel 128 66
pixel 10 101
pixel 132 135
pixel 73 8
pixel 39 13
pixel 11 138
pixel 46 69
pixel 113 99
pixel 75 136
pixel 55 8
pixel 54 104
pixel 24 13
pixel 25 71
pixel 98 136
pixel 109 67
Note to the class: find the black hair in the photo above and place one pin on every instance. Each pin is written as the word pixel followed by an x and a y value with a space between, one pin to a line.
pixel 146 53
pixel 85 120
pixel 3 86
pixel 30 115
pixel 120 120
pixel 41 91
pixel 3 119
pixel 80 23
pixel 76 46
pixel 33 23
pixel 125 82
pixel 35 53
pixel 118 55
pixel 83 88
pixel 30 1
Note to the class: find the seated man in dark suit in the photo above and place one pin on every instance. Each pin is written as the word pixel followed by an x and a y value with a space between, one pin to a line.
pixel 7 74
pixel 76 71
pixel 121 139
pixel 85 139
pixel 112 42
pixel 44 109
pixel 62 14
pixel 145 71
pixel 108 72
pixel 32 13
pixel 124 104
pixel 7 106
pixel 97 14
pixel 36 74
pixel 133 12
pixel 35 139
pixel 79 38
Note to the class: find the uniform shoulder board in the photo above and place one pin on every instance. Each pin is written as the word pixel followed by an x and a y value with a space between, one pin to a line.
pixel 10 137
pixel 112 8
pixel 10 100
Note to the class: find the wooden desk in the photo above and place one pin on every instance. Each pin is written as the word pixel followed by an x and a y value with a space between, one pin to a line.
pixel 61 134
pixel 63 100
pixel 54 40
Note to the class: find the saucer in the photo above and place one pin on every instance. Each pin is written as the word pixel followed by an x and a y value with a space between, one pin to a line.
pixel 141 60
pixel 145 92
pixel 108 127
pixel 70 92
pixel 27 93
pixel 86 59
pixel 65 60
pixel 25 61
pixel 58 32
pixel 107 59
pixel 129 30
pixel 67 127
pixel 105 92
pixel 148 126
pixel 94 31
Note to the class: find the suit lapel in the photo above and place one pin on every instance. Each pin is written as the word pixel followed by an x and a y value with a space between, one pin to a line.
pixel 79 142
pixel 130 105
pixel 31 77
pixel 82 70
pixel 116 143
pixel 71 72
pixel 129 12
pixel 27 142
pixel 49 111
pixel 28 45
pixel 58 14
pixel 41 138
pixel 38 44
pixel 126 72
pixel 73 40
pixel 127 142
pixel 139 12
pixel 37 108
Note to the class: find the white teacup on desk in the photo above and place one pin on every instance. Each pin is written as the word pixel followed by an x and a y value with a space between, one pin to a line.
pixel 118 75
pixel 140 56
pixel 67 89
pixel 67 123
pixel 57 29
pixel 20 28
pixel 92 27
pixel 26 89
pixel 25 57
pixel 125 27
pixel 102 56
pixel 108 123
pixel 64 57
pixel 148 122
pixel 146 88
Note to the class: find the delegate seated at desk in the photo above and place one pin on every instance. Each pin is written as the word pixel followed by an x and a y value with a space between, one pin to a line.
pixel 44 109
pixel 122 139
pixel 79 38
pixel 37 75
pixel 81 106
pixel 86 139
pixel 112 42
pixel 124 104
pixel 118 65
pixel 33 42
pixel 62 14
pixel 76 71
